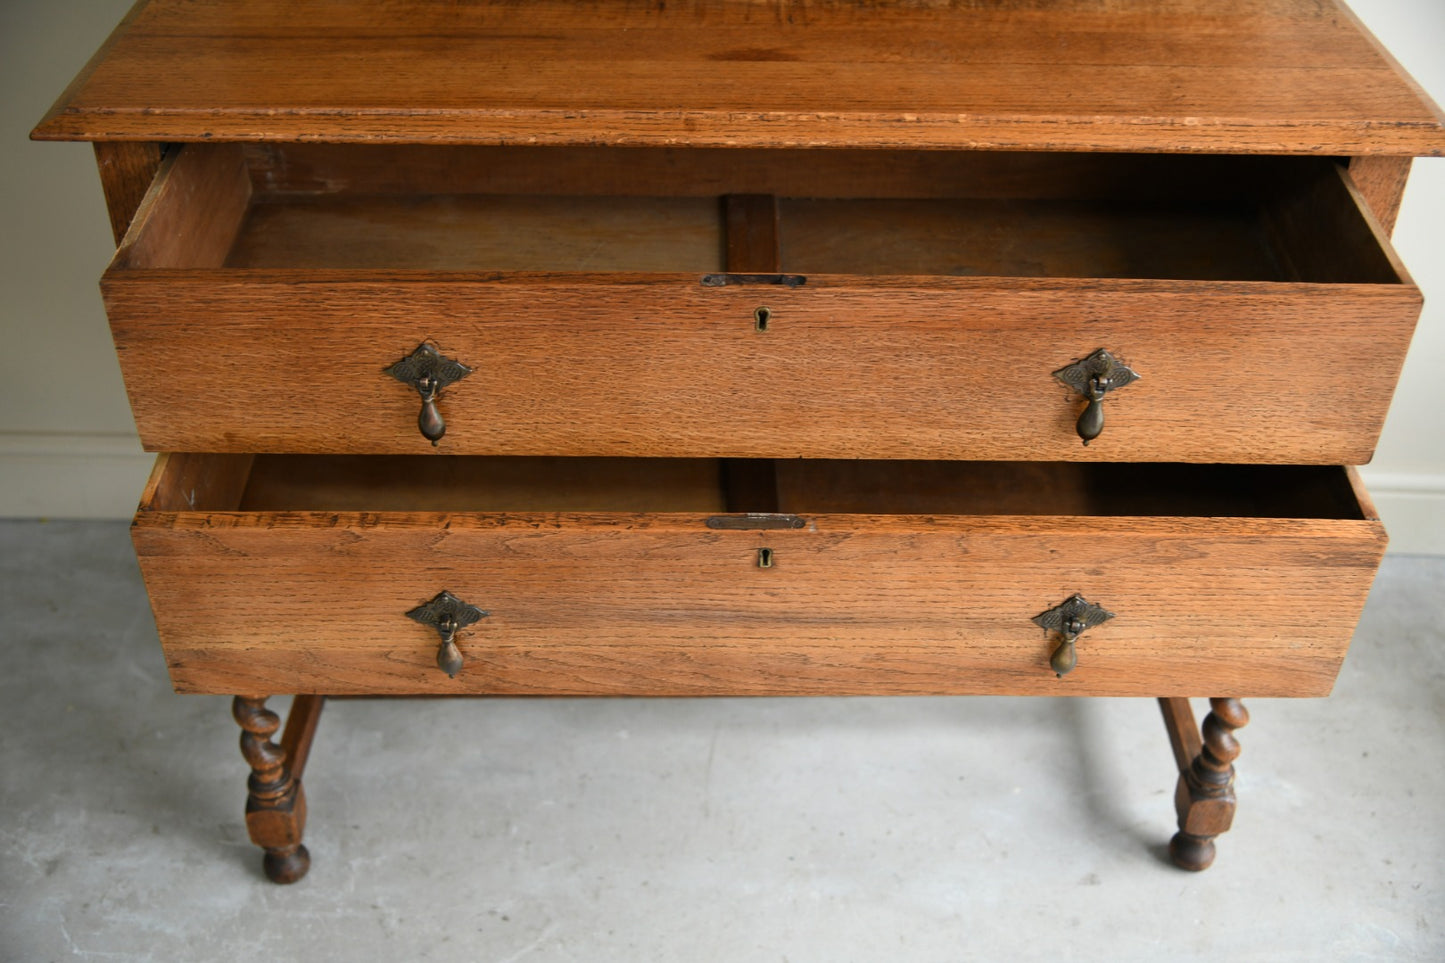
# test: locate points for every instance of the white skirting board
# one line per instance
(1412, 506)
(71, 475)
(100, 476)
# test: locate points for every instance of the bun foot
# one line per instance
(286, 865)
(1194, 853)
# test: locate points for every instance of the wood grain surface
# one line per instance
(1242, 76)
(126, 171)
(321, 169)
(849, 367)
(275, 600)
(190, 215)
(1381, 181)
(493, 232)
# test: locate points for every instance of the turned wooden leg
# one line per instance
(1204, 797)
(276, 803)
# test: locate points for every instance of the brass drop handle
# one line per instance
(429, 371)
(1068, 620)
(1091, 422)
(448, 615)
(1093, 378)
(430, 421)
(1065, 657)
(449, 657)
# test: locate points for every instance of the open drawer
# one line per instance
(688, 577)
(757, 303)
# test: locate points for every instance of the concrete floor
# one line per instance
(728, 829)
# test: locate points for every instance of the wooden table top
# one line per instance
(1245, 76)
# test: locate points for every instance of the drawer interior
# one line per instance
(797, 212)
(343, 483)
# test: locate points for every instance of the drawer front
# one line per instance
(636, 603)
(888, 365)
(963, 369)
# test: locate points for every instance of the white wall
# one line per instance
(67, 443)
(1407, 476)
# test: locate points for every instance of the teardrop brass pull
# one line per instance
(1093, 378)
(430, 421)
(448, 615)
(1069, 620)
(449, 657)
(429, 371)
(1091, 422)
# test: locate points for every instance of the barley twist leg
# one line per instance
(1204, 798)
(275, 803)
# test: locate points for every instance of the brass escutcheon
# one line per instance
(428, 371)
(1069, 620)
(1093, 378)
(448, 615)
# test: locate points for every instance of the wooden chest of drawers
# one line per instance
(748, 348)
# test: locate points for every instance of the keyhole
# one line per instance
(765, 558)
(761, 317)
